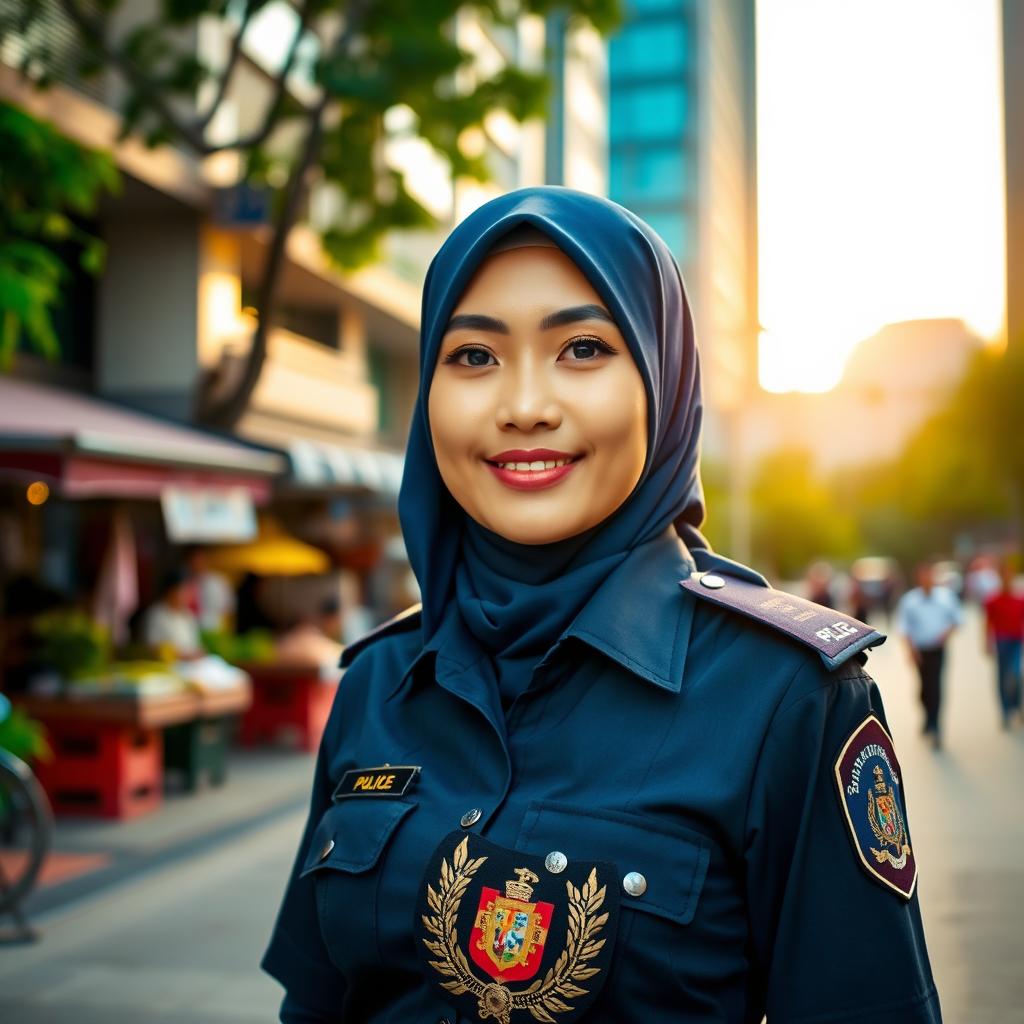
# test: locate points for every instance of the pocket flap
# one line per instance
(673, 860)
(351, 834)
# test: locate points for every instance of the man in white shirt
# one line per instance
(927, 615)
(169, 623)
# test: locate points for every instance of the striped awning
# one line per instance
(316, 464)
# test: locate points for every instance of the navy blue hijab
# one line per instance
(516, 600)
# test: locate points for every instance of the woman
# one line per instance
(602, 774)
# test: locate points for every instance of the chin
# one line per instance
(522, 530)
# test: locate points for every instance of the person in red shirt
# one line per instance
(1004, 618)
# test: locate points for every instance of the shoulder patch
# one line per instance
(835, 636)
(409, 619)
(871, 793)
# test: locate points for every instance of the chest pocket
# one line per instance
(343, 857)
(662, 867)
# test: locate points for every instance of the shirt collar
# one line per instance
(451, 650)
(636, 617)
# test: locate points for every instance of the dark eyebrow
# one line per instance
(477, 322)
(574, 314)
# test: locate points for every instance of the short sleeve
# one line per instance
(296, 956)
(836, 936)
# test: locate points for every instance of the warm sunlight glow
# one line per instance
(880, 179)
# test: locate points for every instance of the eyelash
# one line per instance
(602, 347)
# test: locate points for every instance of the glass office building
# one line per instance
(652, 117)
(682, 156)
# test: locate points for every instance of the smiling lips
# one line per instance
(531, 470)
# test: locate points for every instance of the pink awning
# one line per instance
(85, 447)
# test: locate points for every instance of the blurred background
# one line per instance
(215, 219)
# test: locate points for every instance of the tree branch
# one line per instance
(192, 135)
(280, 86)
(92, 30)
(202, 122)
(229, 410)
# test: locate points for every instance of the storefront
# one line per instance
(96, 501)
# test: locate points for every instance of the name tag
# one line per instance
(391, 780)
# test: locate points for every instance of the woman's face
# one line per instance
(538, 412)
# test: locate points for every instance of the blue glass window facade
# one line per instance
(651, 118)
(646, 174)
(651, 48)
(655, 111)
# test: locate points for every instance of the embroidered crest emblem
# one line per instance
(868, 777)
(563, 943)
(510, 931)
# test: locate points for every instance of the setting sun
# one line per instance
(880, 172)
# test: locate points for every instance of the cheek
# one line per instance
(454, 415)
(618, 422)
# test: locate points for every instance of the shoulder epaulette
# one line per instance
(403, 621)
(835, 636)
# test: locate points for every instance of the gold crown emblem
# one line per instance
(880, 785)
(521, 890)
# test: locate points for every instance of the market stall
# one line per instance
(294, 681)
(96, 501)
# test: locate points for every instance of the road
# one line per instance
(179, 944)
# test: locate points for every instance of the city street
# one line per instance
(179, 943)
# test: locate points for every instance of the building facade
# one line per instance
(682, 146)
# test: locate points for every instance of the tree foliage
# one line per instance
(961, 475)
(957, 485)
(355, 60)
(796, 516)
(48, 183)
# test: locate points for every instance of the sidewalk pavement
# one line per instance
(178, 945)
(168, 922)
(966, 813)
(90, 855)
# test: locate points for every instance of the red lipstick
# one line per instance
(557, 466)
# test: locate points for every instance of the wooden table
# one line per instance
(109, 751)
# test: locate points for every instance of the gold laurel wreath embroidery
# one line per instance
(545, 996)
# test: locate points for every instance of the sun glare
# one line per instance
(880, 176)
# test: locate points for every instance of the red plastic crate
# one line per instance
(103, 769)
(289, 703)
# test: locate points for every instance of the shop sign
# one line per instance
(208, 514)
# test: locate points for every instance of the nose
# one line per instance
(527, 400)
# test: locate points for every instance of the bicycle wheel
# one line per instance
(26, 830)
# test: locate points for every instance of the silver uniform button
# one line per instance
(635, 884)
(470, 818)
(556, 862)
(711, 581)
(328, 846)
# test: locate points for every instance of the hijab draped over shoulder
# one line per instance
(515, 599)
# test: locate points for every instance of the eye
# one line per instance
(472, 357)
(581, 350)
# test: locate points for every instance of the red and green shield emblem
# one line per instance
(509, 932)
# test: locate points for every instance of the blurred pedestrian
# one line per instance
(858, 600)
(249, 610)
(169, 623)
(315, 639)
(1004, 629)
(927, 616)
(819, 584)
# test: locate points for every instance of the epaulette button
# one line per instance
(711, 581)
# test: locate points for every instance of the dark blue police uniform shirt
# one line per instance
(664, 734)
